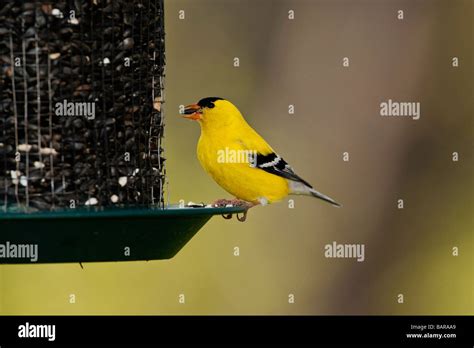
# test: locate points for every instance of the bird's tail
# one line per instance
(319, 195)
(299, 188)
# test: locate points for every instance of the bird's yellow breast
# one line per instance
(226, 160)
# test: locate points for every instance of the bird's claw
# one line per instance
(240, 218)
(243, 217)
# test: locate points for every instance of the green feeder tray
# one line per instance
(102, 234)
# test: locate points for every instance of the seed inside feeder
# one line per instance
(74, 21)
(54, 56)
(48, 151)
(157, 104)
(122, 181)
(91, 201)
(57, 13)
(24, 147)
(80, 59)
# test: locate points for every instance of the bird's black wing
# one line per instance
(274, 164)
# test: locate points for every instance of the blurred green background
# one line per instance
(299, 62)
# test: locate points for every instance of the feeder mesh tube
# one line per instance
(81, 95)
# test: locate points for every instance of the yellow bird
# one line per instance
(240, 160)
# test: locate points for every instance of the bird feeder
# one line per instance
(82, 170)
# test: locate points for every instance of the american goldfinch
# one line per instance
(240, 160)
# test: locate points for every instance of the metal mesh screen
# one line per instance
(81, 94)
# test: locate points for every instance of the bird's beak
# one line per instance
(192, 112)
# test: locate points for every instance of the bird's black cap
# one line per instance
(208, 102)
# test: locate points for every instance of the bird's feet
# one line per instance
(234, 203)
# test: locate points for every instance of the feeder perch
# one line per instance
(82, 171)
(113, 234)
